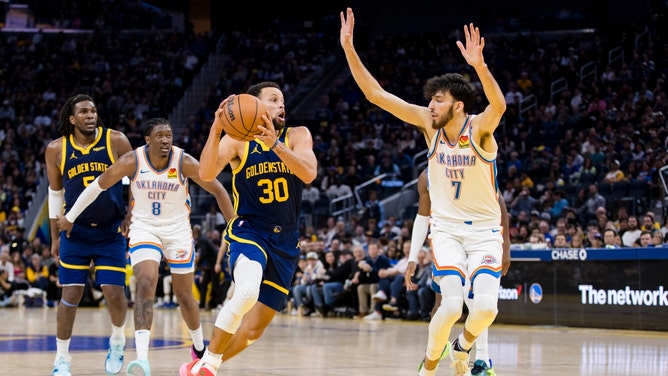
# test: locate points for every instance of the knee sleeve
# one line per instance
(483, 309)
(246, 292)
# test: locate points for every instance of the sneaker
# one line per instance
(480, 368)
(138, 368)
(379, 296)
(390, 307)
(114, 362)
(460, 360)
(197, 354)
(186, 370)
(373, 316)
(444, 353)
(61, 367)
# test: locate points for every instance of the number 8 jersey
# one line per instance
(159, 197)
(264, 188)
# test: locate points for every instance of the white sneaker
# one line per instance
(61, 367)
(373, 316)
(380, 295)
(460, 361)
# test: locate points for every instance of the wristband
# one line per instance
(274, 145)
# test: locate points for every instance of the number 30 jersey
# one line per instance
(159, 197)
(264, 188)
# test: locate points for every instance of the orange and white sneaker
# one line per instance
(187, 370)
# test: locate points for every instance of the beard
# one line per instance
(278, 123)
(442, 121)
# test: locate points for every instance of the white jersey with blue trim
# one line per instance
(159, 197)
(462, 180)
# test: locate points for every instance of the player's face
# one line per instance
(160, 140)
(442, 109)
(84, 118)
(275, 103)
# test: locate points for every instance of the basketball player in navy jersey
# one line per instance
(465, 214)
(73, 161)
(160, 227)
(268, 176)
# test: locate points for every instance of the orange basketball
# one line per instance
(241, 116)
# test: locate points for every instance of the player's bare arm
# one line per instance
(190, 168)
(217, 152)
(487, 121)
(299, 157)
(419, 116)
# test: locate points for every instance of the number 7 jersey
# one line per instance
(462, 180)
(159, 197)
(264, 188)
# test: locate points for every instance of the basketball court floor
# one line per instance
(316, 346)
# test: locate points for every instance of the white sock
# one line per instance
(142, 339)
(463, 343)
(63, 349)
(198, 338)
(117, 334)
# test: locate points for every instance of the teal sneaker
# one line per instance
(445, 353)
(114, 362)
(138, 368)
(480, 368)
(61, 367)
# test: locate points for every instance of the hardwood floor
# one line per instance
(333, 346)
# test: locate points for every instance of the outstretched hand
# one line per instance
(347, 26)
(472, 52)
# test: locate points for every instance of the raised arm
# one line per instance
(419, 116)
(217, 152)
(487, 121)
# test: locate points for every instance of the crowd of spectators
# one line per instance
(564, 165)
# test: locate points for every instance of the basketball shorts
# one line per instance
(103, 247)
(276, 248)
(173, 241)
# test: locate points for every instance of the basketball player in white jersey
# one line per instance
(159, 226)
(465, 214)
(482, 366)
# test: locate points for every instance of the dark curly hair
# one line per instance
(459, 87)
(64, 126)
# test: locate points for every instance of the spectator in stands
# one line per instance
(366, 276)
(334, 281)
(301, 292)
(594, 201)
(633, 232)
(338, 189)
(648, 223)
(610, 238)
(645, 240)
(560, 241)
(523, 202)
(37, 274)
(213, 220)
(615, 174)
(310, 195)
(657, 238)
(373, 208)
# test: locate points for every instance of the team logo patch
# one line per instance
(464, 142)
(171, 174)
(488, 260)
(180, 254)
(99, 148)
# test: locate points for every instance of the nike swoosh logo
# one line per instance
(143, 171)
(495, 230)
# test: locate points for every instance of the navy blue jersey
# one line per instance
(264, 188)
(79, 167)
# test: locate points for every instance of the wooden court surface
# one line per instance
(314, 346)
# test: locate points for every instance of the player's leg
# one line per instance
(178, 247)
(449, 253)
(145, 258)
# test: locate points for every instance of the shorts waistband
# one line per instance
(266, 226)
